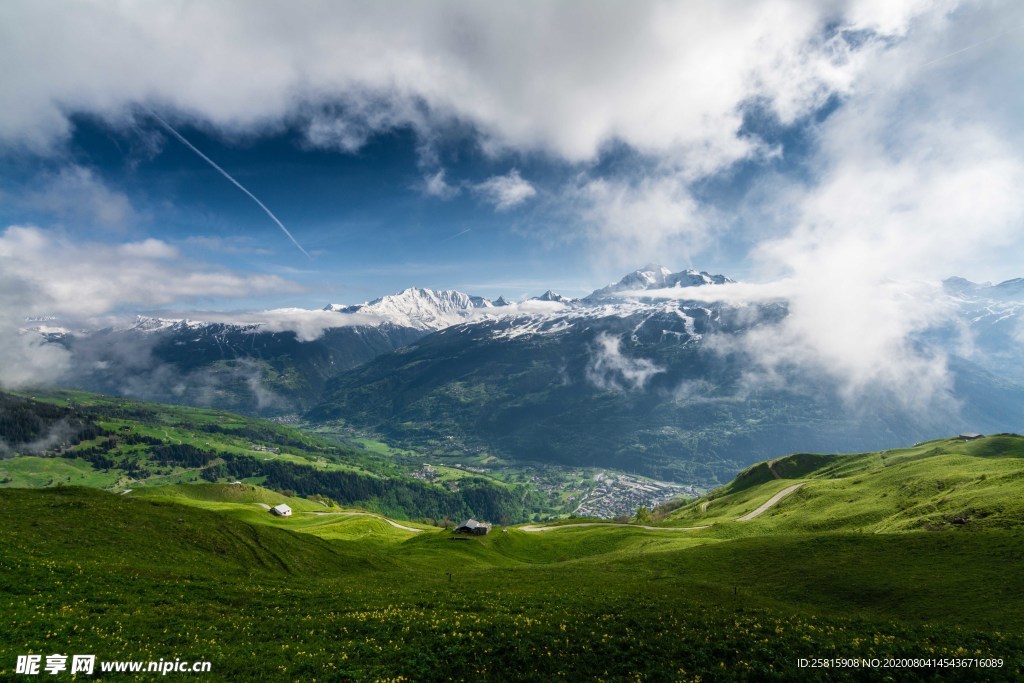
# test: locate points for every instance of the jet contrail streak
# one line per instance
(971, 47)
(224, 173)
(456, 235)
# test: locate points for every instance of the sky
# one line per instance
(505, 149)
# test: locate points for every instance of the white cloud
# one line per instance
(911, 181)
(90, 279)
(733, 293)
(77, 194)
(435, 185)
(149, 249)
(44, 273)
(564, 78)
(630, 223)
(610, 370)
(505, 191)
(307, 324)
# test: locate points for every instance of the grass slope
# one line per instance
(280, 600)
(934, 485)
(113, 443)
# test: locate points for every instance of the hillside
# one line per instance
(243, 368)
(74, 438)
(640, 392)
(310, 597)
(969, 484)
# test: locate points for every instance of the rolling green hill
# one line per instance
(951, 482)
(75, 438)
(865, 560)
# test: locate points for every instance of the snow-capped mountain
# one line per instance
(151, 324)
(1010, 290)
(433, 310)
(655, 384)
(993, 316)
(655, 277)
(553, 296)
(619, 377)
(421, 309)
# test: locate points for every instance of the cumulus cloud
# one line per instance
(307, 324)
(914, 178)
(914, 183)
(42, 272)
(655, 75)
(670, 81)
(68, 277)
(435, 185)
(505, 191)
(610, 370)
(638, 222)
(76, 193)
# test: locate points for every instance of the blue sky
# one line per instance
(500, 150)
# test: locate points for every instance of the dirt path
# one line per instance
(533, 527)
(368, 514)
(770, 502)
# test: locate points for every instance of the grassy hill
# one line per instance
(864, 560)
(934, 485)
(80, 439)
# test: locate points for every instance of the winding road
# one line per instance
(770, 502)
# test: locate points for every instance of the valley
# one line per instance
(130, 444)
(649, 376)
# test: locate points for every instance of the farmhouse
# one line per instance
(970, 436)
(471, 526)
(281, 510)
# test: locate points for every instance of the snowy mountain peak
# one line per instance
(419, 308)
(656, 277)
(150, 324)
(551, 296)
(1009, 290)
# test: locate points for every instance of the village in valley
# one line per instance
(579, 492)
(600, 493)
(617, 494)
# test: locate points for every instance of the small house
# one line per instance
(471, 526)
(281, 510)
(970, 436)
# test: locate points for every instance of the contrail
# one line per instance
(456, 235)
(971, 47)
(226, 175)
(963, 49)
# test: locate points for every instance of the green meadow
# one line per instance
(145, 540)
(905, 554)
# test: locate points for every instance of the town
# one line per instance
(618, 495)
